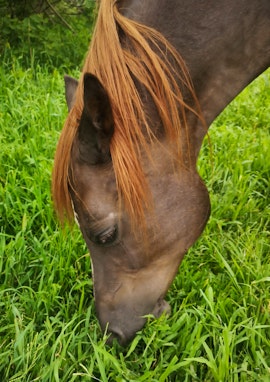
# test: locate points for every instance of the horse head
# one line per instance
(133, 267)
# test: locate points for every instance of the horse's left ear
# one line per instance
(70, 89)
(96, 125)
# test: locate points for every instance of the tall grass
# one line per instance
(219, 329)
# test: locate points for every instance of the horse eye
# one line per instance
(106, 237)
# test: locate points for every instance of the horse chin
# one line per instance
(161, 307)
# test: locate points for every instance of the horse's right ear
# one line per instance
(70, 89)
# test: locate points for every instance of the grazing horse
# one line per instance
(156, 75)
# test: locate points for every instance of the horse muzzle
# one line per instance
(123, 323)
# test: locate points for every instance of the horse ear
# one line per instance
(70, 89)
(96, 124)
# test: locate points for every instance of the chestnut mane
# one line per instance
(122, 50)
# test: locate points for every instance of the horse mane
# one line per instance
(122, 52)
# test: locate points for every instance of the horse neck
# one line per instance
(226, 44)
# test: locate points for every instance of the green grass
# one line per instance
(219, 329)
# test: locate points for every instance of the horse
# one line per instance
(155, 77)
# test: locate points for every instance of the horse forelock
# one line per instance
(143, 56)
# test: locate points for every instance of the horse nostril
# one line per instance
(118, 335)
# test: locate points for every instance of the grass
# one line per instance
(219, 329)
